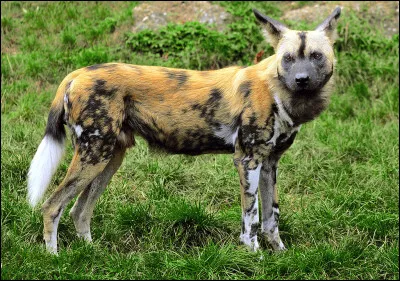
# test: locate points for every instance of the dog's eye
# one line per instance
(316, 55)
(288, 58)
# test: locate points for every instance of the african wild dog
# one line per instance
(253, 112)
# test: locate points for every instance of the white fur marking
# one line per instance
(71, 85)
(277, 130)
(282, 113)
(86, 236)
(235, 135)
(51, 245)
(271, 224)
(250, 218)
(78, 130)
(254, 177)
(43, 167)
(247, 158)
(245, 238)
(96, 133)
(280, 127)
(227, 133)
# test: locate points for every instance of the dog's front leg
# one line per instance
(269, 203)
(249, 174)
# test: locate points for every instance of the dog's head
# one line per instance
(305, 58)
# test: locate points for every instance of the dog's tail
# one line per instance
(49, 152)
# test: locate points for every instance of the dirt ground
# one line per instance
(383, 14)
(154, 14)
(148, 14)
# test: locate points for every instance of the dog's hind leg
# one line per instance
(85, 166)
(82, 210)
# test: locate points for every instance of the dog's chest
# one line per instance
(282, 130)
(281, 133)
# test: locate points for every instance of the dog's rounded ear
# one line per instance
(329, 25)
(273, 29)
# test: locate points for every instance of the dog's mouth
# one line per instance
(299, 90)
(309, 89)
(305, 92)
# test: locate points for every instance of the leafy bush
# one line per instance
(195, 46)
(191, 43)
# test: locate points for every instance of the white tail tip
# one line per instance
(43, 167)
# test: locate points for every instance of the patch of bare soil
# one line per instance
(383, 14)
(153, 15)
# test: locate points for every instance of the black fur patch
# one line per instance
(276, 216)
(253, 203)
(254, 228)
(302, 36)
(306, 107)
(215, 96)
(100, 66)
(245, 88)
(96, 148)
(99, 88)
(69, 104)
(282, 146)
(55, 125)
(272, 24)
(206, 144)
(53, 217)
(251, 136)
(207, 110)
(281, 137)
(275, 108)
(180, 76)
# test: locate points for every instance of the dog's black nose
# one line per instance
(302, 79)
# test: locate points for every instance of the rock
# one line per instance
(153, 15)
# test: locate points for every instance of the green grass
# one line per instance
(178, 217)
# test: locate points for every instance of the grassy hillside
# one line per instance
(178, 217)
